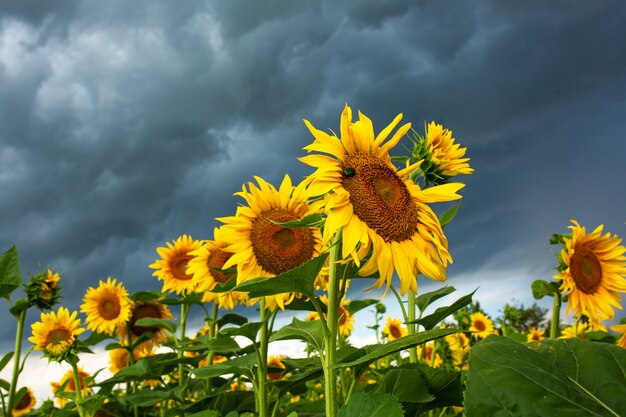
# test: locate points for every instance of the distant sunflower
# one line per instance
(172, 267)
(56, 333)
(446, 156)
(346, 320)
(459, 345)
(394, 329)
(118, 358)
(376, 205)
(149, 309)
(620, 328)
(481, 325)
(107, 307)
(580, 328)
(67, 384)
(26, 404)
(275, 362)
(595, 271)
(535, 334)
(262, 248)
(427, 354)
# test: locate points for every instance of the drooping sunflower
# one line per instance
(56, 333)
(394, 329)
(148, 309)
(67, 384)
(481, 325)
(620, 328)
(43, 289)
(26, 404)
(262, 248)
(595, 271)
(535, 335)
(376, 205)
(107, 307)
(206, 269)
(172, 267)
(446, 156)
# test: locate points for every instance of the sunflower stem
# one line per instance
(556, 310)
(131, 386)
(411, 326)
(262, 362)
(330, 373)
(16, 359)
(184, 309)
(212, 325)
(79, 391)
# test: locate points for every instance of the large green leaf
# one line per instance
(358, 305)
(443, 385)
(10, 275)
(241, 365)
(543, 288)
(300, 280)
(426, 299)
(146, 398)
(308, 331)
(5, 359)
(155, 322)
(310, 220)
(568, 378)
(407, 385)
(248, 330)
(430, 321)
(371, 404)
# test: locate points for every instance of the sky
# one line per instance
(124, 126)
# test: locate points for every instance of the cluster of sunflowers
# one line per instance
(296, 247)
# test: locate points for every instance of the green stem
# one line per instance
(262, 362)
(184, 309)
(411, 326)
(131, 386)
(400, 301)
(330, 373)
(211, 336)
(79, 391)
(556, 310)
(16, 359)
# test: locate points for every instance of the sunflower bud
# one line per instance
(43, 290)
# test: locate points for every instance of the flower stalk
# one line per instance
(262, 405)
(411, 326)
(330, 373)
(556, 310)
(79, 391)
(16, 359)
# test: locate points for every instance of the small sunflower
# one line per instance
(594, 274)
(377, 206)
(43, 290)
(346, 320)
(620, 328)
(535, 334)
(427, 354)
(118, 358)
(56, 333)
(149, 309)
(580, 328)
(107, 307)
(67, 384)
(459, 345)
(394, 329)
(262, 248)
(275, 362)
(26, 404)
(172, 267)
(481, 325)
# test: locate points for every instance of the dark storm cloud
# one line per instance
(123, 126)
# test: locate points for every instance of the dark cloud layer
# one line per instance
(122, 127)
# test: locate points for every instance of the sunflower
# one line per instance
(394, 329)
(594, 273)
(534, 335)
(376, 205)
(43, 289)
(580, 328)
(56, 333)
(620, 328)
(206, 269)
(118, 358)
(481, 325)
(427, 354)
(459, 345)
(172, 267)
(346, 321)
(262, 248)
(275, 362)
(107, 307)
(446, 156)
(148, 309)
(67, 384)
(26, 404)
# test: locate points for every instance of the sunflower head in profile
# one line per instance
(594, 271)
(142, 310)
(379, 209)
(67, 384)
(171, 268)
(394, 329)
(43, 290)
(25, 405)
(481, 325)
(55, 335)
(107, 307)
(262, 248)
(620, 328)
(535, 335)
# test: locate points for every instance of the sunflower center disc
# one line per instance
(276, 248)
(480, 326)
(57, 336)
(141, 312)
(379, 197)
(395, 332)
(180, 268)
(110, 309)
(24, 402)
(216, 261)
(586, 270)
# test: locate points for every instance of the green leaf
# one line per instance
(449, 215)
(248, 330)
(5, 359)
(10, 275)
(206, 413)
(543, 288)
(155, 322)
(223, 344)
(146, 296)
(300, 280)
(311, 220)
(358, 305)
(309, 331)
(303, 304)
(19, 307)
(231, 318)
(445, 386)
(370, 353)
(241, 365)
(371, 404)
(426, 299)
(146, 398)
(93, 339)
(407, 385)
(430, 321)
(576, 377)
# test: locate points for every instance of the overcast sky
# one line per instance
(124, 125)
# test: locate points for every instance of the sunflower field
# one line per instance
(362, 214)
